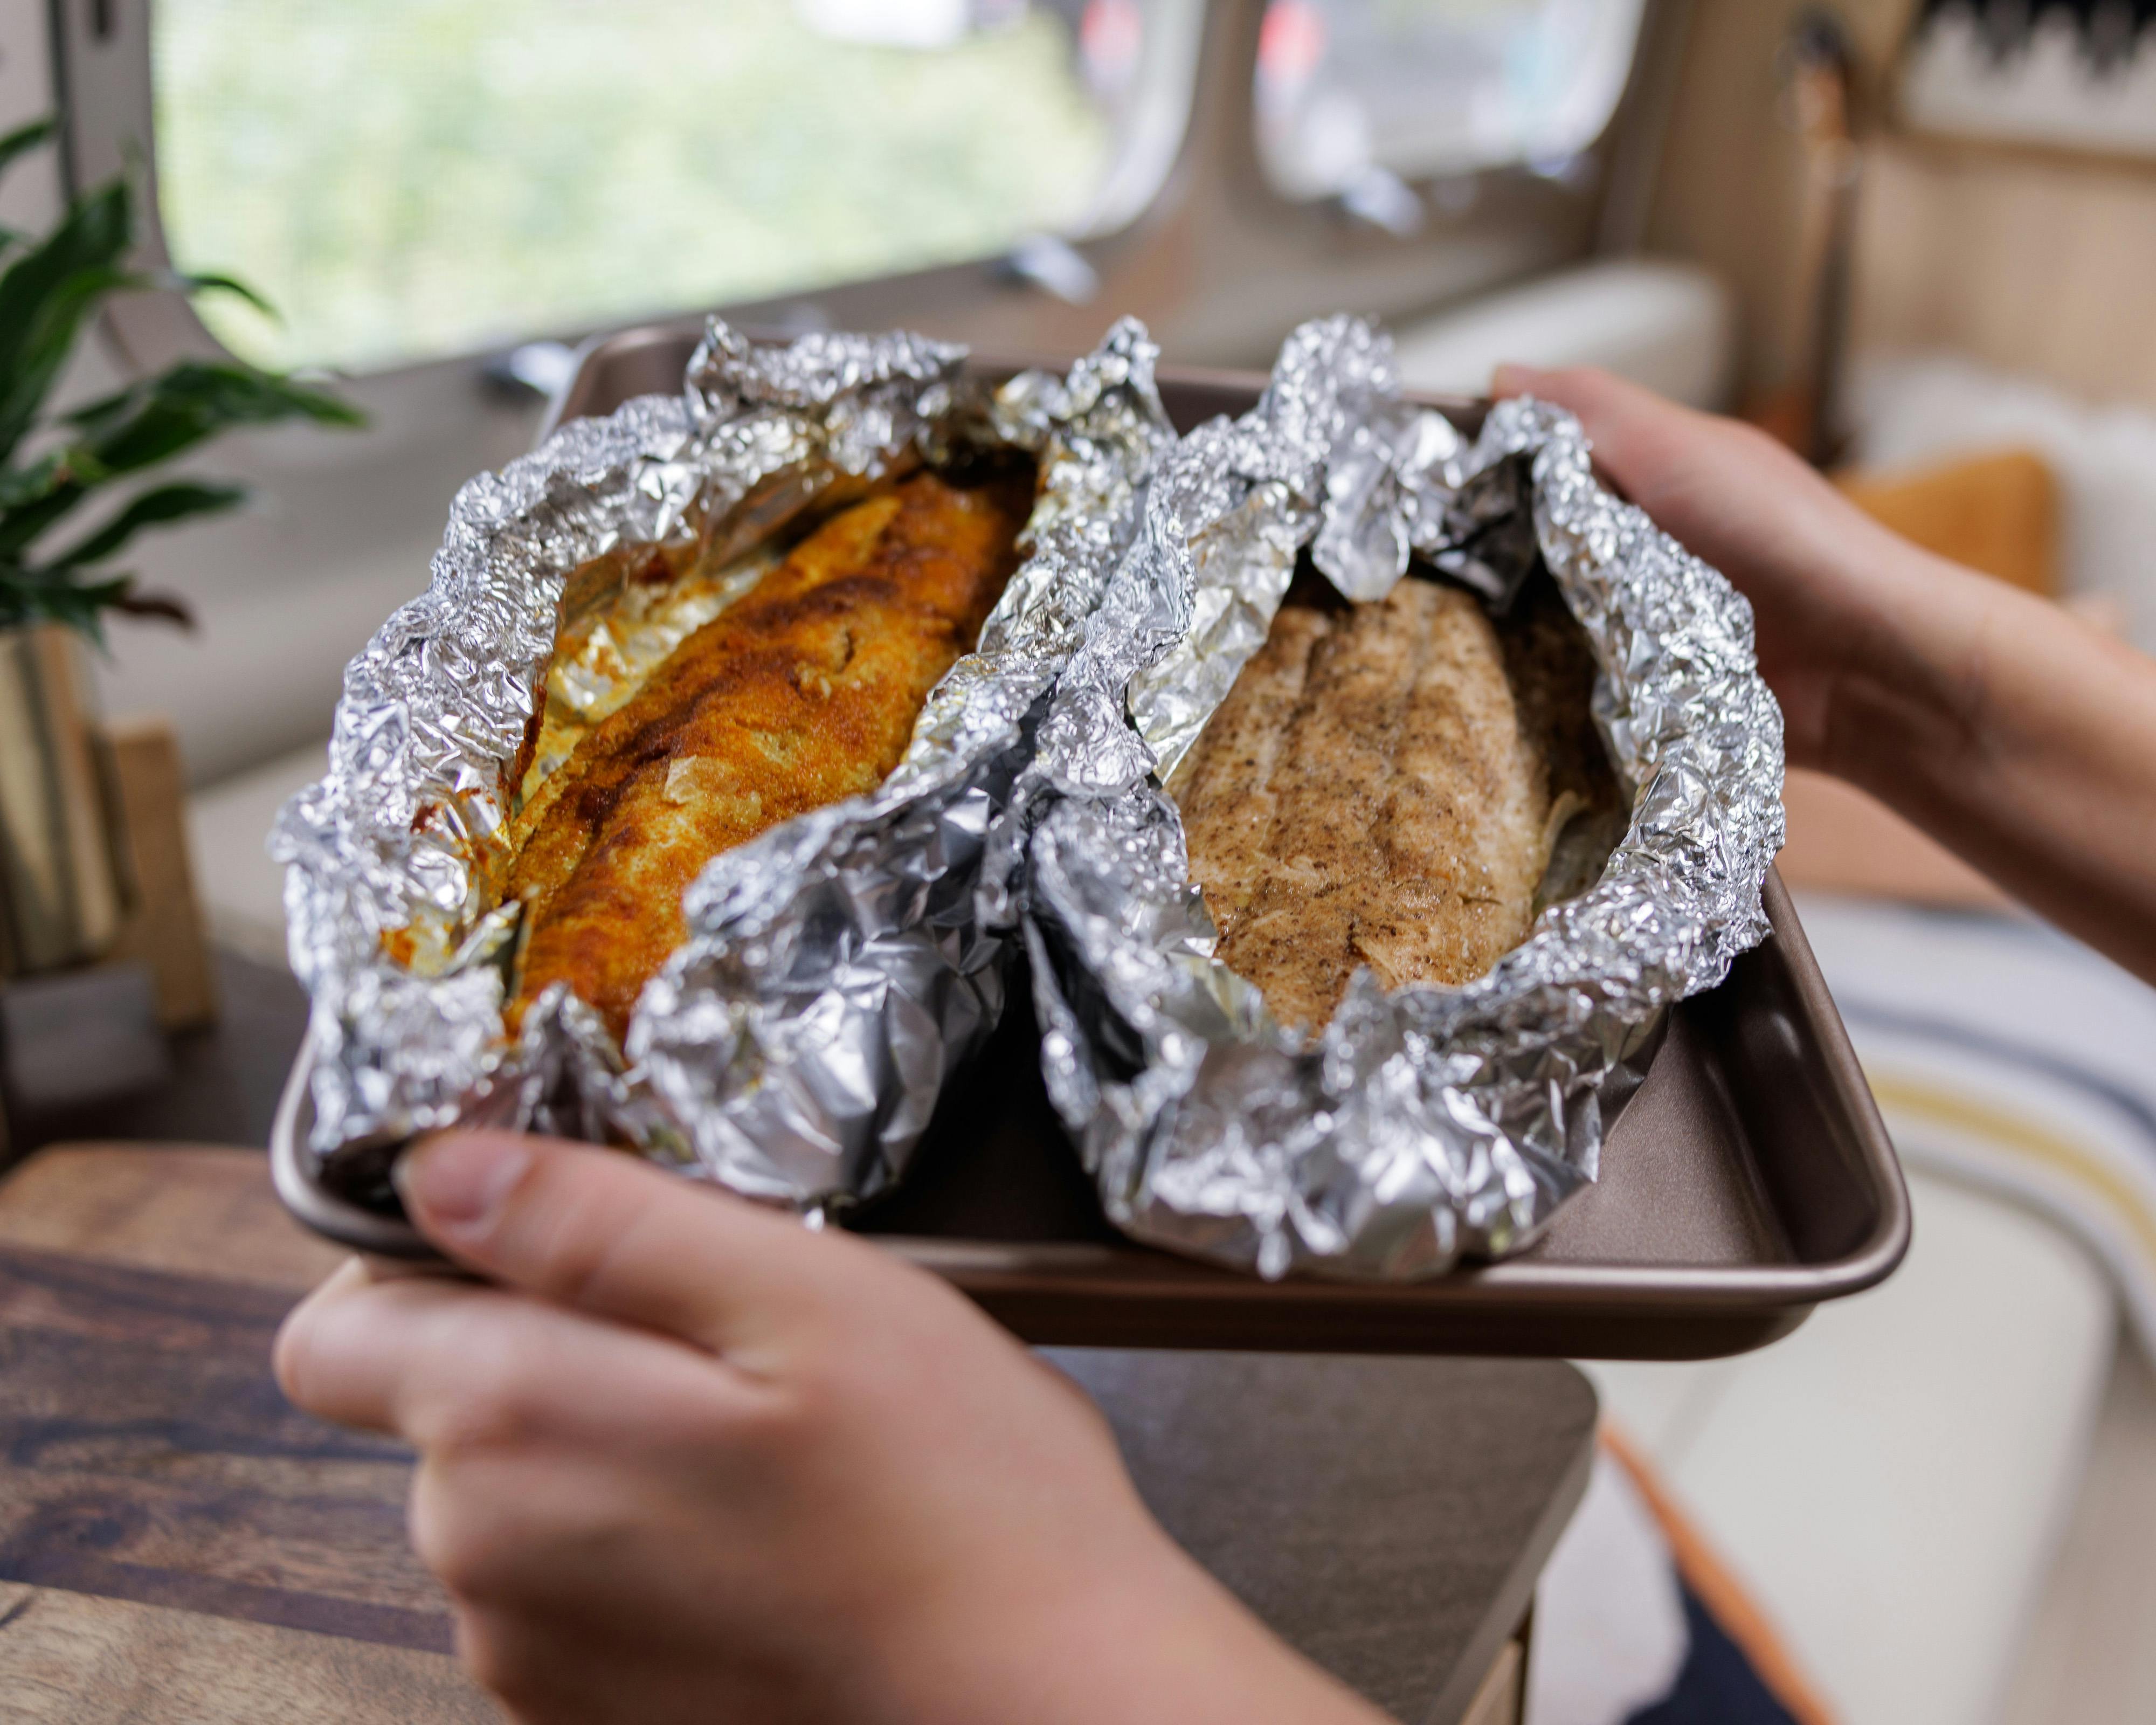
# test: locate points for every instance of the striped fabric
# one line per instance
(2006, 1055)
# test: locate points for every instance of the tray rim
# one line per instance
(1131, 1272)
(1754, 1303)
(995, 364)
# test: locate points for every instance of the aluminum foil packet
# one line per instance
(836, 969)
(1430, 1123)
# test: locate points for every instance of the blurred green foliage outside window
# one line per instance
(406, 179)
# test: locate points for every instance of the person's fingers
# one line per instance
(617, 1237)
(1608, 406)
(546, 1672)
(291, 1355)
(1512, 379)
(339, 1351)
(1582, 389)
(451, 1364)
(550, 1669)
(1611, 410)
(551, 1526)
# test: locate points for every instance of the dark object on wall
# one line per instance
(2077, 75)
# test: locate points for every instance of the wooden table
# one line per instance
(178, 1545)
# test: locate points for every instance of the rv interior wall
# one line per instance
(2029, 261)
(2015, 256)
(30, 194)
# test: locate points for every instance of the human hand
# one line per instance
(1837, 598)
(691, 1461)
(2009, 730)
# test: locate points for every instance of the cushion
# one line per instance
(1888, 1484)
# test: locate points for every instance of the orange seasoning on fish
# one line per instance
(802, 693)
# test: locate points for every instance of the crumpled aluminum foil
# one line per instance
(835, 970)
(1430, 1123)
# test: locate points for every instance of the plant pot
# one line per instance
(60, 893)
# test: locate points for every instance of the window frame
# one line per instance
(1217, 261)
(1428, 180)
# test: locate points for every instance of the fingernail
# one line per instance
(458, 1181)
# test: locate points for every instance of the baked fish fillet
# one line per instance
(802, 693)
(1372, 792)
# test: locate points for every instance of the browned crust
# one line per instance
(803, 693)
(1376, 790)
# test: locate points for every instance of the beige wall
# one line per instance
(2040, 264)
(2036, 264)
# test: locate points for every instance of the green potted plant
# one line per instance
(76, 488)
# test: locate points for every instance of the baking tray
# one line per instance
(1749, 1178)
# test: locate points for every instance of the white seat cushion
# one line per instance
(1891, 1480)
(1669, 325)
(2006, 1055)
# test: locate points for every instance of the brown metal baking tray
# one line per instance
(1749, 1178)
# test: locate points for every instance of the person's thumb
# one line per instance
(1511, 379)
(611, 1235)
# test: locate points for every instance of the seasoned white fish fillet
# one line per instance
(1373, 792)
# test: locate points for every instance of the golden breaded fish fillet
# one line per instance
(1372, 792)
(804, 692)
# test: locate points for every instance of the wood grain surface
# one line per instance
(178, 1544)
(68, 1658)
(193, 1209)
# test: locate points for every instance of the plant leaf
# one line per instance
(44, 346)
(150, 423)
(24, 139)
(191, 402)
(19, 486)
(183, 282)
(79, 605)
(168, 607)
(49, 291)
(20, 525)
(148, 509)
(48, 490)
(94, 235)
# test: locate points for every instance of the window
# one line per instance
(1425, 88)
(406, 179)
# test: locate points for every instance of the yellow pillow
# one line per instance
(1998, 513)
